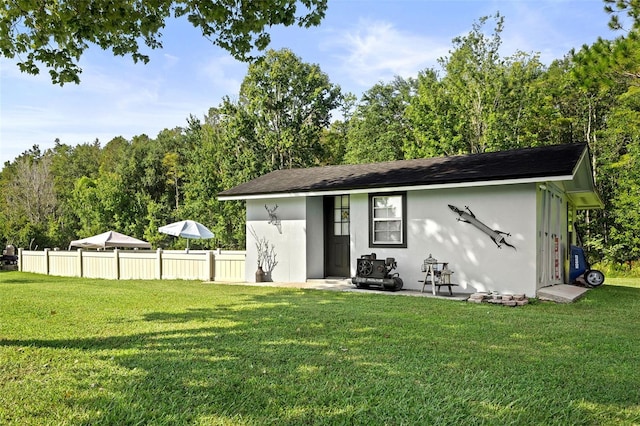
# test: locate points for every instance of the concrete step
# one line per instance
(337, 283)
(562, 293)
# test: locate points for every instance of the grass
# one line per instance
(624, 270)
(79, 351)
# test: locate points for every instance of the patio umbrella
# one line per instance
(189, 229)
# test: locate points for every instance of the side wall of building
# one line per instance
(315, 237)
(294, 233)
(434, 229)
(283, 233)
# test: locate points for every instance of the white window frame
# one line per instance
(401, 217)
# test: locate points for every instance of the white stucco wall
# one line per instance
(315, 237)
(288, 237)
(433, 229)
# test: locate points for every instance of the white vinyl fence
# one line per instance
(205, 265)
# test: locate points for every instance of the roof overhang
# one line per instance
(394, 189)
(585, 200)
(576, 181)
(581, 188)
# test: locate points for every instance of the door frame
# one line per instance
(553, 234)
(330, 239)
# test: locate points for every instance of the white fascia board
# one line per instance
(579, 162)
(394, 188)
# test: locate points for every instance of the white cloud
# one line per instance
(374, 51)
(224, 73)
(170, 60)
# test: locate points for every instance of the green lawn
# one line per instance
(78, 351)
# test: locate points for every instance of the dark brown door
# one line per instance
(337, 230)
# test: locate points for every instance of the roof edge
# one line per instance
(407, 188)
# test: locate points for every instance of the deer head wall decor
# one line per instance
(273, 218)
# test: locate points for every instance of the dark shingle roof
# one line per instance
(547, 161)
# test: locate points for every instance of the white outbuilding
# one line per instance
(317, 222)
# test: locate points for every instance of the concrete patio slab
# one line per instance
(562, 293)
(344, 284)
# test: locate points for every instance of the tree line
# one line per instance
(288, 114)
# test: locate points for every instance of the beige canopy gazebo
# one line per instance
(110, 239)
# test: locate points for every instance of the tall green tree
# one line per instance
(56, 34)
(86, 200)
(475, 79)
(151, 191)
(601, 82)
(291, 103)
(517, 121)
(114, 153)
(218, 157)
(484, 102)
(174, 174)
(334, 139)
(134, 188)
(435, 120)
(70, 163)
(615, 231)
(558, 110)
(616, 8)
(379, 128)
(278, 120)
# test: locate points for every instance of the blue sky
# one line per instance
(359, 43)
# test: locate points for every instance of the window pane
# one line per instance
(345, 228)
(379, 226)
(378, 202)
(380, 213)
(386, 236)
(337, 216)
(380, 236)
(337, 229)
(395, 205)
(345, 201)
(387, 207)
(337, 201)
(391, 211)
